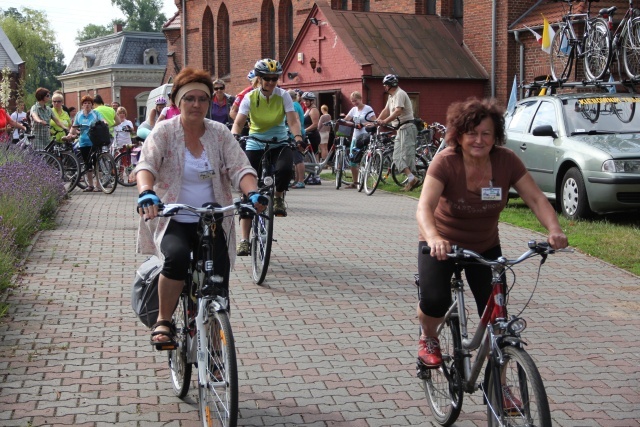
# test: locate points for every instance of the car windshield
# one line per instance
(602, 114)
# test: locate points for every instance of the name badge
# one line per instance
(492, 194)
(206, 174)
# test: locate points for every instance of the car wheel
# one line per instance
(573, 196)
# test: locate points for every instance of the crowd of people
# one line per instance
(194, 136)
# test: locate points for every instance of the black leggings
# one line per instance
(177, 243)
(435, 281)
(281, 157)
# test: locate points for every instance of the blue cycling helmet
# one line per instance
(251, 75)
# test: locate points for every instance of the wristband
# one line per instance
(145, 192)
(251, 193)
(297, 135)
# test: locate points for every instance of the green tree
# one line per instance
(31, 34)
(93, 31)
(142, 15)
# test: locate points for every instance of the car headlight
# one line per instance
(621, 166)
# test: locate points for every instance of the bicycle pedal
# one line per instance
(166, 346)
(281, 215)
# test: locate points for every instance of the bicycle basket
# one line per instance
(344, 129)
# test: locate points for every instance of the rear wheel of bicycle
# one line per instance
(443, 386)
(597, 48)
(526, 401)
(124, 167)
(105, 171)
(261, 241)
(562, 51)
(624, 110)
(339, 162)
(631, 49)
(72, 169)
(387, 162)
(180, 369)
(373, 172)
(421, 170)
(219, 395)
(51, 161)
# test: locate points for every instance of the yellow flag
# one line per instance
(547, 36)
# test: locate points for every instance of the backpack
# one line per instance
(99, 134)
(144, 291)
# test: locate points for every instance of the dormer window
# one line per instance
(150, 57)
(88, 60)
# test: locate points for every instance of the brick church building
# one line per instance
(441, 51)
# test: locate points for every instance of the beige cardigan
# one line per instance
(163, 155)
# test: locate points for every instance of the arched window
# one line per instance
(285, 25)
(207, 42)
(360, 5)
(268, 30)
(224, 49)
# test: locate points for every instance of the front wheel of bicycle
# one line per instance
(124, 167)
(515, 392)
(261, 241)
(443, 386)
(372, 173)
(219, 395)
(106, 173)
(561, 56)
(51, 161)
(178, 365)
(72, 169)
(631, 49)
(597, 48)
(338, 168)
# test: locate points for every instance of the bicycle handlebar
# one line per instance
(535, 248)
(171, 209)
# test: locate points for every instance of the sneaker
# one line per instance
(298, 184)
(244, 247)
(411, 184)
(510, 403)
(279, 209)
(429, 352)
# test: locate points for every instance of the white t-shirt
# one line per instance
(18, 117)
(197, 185)
(123, 137)
(357, 116)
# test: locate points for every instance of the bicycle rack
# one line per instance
(552, 85)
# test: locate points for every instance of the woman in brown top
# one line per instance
(464, 192)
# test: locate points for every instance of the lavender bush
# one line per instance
(30, 192)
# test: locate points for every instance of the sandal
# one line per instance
(88, 190)
(352, 185)
(170, 344)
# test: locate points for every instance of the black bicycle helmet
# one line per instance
(390, 80)
(267, 66)
(309, 95)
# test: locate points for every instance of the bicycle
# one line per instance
(626, 40)
(373, 161)
(594, 47)
(343, 131)
(203, 331)
(70, 163)
(49, 159)
(261, 235)
(104, 169)
(125, 162)
(513, 389)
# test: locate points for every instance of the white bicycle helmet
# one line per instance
(267, 66)
(390, 80)
(309, 95)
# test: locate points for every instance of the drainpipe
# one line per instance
(184, 34)
(516, 34)
(493, 48)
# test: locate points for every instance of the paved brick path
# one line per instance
(330, 341)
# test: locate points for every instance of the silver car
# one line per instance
(583, 150)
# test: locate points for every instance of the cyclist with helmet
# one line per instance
(267, 107)
(161, 102)
(253, 80)
(311, 119)
(400, 110)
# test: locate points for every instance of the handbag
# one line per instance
(144, 291)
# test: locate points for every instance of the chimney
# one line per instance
(117, 28)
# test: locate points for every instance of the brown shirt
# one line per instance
(462, 217)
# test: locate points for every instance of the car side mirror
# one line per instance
(544, 130)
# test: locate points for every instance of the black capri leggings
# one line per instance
(435, 281)
(178, 242)
(281, 157)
